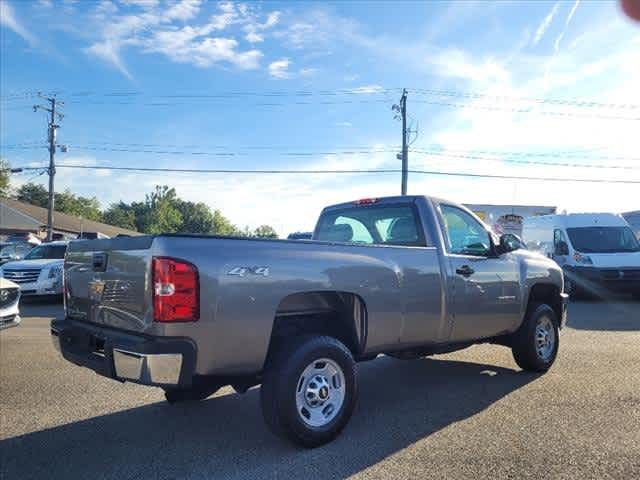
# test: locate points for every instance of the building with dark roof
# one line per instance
(19, 217)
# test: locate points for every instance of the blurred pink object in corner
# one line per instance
(631, 8)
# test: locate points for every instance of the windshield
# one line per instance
(47, 252)
(603, 239)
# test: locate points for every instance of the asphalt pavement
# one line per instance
(471, 414)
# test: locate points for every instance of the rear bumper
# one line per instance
(158, 361)
(592, 279)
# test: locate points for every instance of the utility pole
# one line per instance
(52, 151)
(401, 113)
(405, 152)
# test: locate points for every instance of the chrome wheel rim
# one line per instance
(320, 392)
(545, 338)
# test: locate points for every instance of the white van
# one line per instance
(597, 251)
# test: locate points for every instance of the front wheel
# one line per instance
(535, 344)
(309, 390)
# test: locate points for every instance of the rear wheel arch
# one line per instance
(338, 314)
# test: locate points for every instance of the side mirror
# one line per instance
(562, 248)
(510, 242)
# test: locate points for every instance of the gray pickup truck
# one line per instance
(402, 276)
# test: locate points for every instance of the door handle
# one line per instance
(99, 262)
(465, 270)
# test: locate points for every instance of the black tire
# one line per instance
(525, 341)
(281, 382)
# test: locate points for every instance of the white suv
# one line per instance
(40, 272)
(9, 299)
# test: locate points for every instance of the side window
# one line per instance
(464, 234)
(559, 243)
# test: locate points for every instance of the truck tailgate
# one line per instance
(108, 282)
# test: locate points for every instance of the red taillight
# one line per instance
(366, 201)
(176, 290)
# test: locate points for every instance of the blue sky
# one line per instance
(266, 81)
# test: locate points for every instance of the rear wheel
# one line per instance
(309, 390)
(535, 344)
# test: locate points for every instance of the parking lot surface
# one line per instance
(471, 414)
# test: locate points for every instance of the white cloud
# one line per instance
(280, 68)
(559, 38)
(183, 10)
(109, 52)
(8, 19)
(544, 25)
(272, 19)
(253, 37)
(459, 64)
(367, 89)
(308, 72)
(141, 3)
(344, 124)
(174, 32)
(255, 31)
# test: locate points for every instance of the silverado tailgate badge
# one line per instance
(244, 271)
(96, 287)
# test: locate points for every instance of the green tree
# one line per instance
(120, 215)
(5, 172)
(223, 226)
(33, 193)
(161, 214)
(78, 206)
(196, 217)
(265, 231)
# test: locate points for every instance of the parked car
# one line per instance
(405, 276)
(633, 219)
(40, 272)
(29, 238)
(9, 299)
(300, 236)
(13, 251)
(597, 251)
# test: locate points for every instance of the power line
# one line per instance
(527, 110)
(234, 154)
(359, 91)
(445, 154)
(489, 108)
(552, 101)
(319, 171)
(527, 162)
